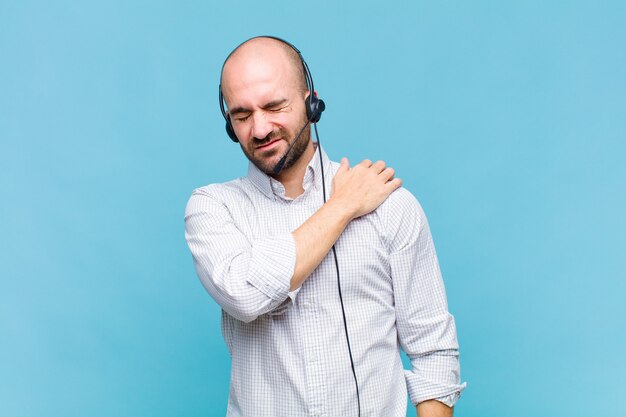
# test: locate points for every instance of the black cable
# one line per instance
(343, 311)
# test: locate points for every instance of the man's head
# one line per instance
(264, 86)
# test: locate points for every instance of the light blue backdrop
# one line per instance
(506, 120)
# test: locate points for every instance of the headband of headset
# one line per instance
(314, 106)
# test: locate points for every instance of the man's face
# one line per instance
(266, 108)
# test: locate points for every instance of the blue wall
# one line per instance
(507, 121)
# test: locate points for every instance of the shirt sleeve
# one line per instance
(426, 330)
(246, 277)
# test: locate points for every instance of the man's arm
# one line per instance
(433, 408)
(249, 278)
(426, 330)
(356, 192)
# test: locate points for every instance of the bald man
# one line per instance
(262, 248)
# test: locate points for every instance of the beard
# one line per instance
(266, 160)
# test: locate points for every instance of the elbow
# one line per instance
(246, 314)
(233, 291)
(248, 310)
(245, 306)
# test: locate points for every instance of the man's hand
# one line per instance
(356, 192)
(364, 187)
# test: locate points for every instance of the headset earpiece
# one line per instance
(314, 108)
(229, 126)
(230, 131)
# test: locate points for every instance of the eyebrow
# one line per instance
(272, 104)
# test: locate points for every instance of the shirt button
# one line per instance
(307, 306)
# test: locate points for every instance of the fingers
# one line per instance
(387, 174)
(394, 184)
(344, 165)
(379, 166)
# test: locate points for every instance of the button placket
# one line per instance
(312, 329)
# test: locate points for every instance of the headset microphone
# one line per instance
(281, 163)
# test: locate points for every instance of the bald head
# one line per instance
(263, 53)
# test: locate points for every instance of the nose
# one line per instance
(261, 127)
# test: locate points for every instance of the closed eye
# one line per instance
(242, 114)
(276, 105)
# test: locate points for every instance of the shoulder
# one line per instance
(220, 189)
(217, 195)
(400, 201)
(402, 205)
(403, 218)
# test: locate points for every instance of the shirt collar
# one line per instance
(312, 176)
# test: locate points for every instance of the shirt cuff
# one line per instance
(272, 265)
(451, 399)
(289, 301)
(420, 389)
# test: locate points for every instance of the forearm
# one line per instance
(315, 237)
(433, 408)
(356, 192)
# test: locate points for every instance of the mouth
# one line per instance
(268, 145)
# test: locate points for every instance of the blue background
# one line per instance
(507, 121)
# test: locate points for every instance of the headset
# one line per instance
(314, 108)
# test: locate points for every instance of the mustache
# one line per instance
(273, 135)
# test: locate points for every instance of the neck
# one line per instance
(293, 177)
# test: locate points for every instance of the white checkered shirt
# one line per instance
(288, 349)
